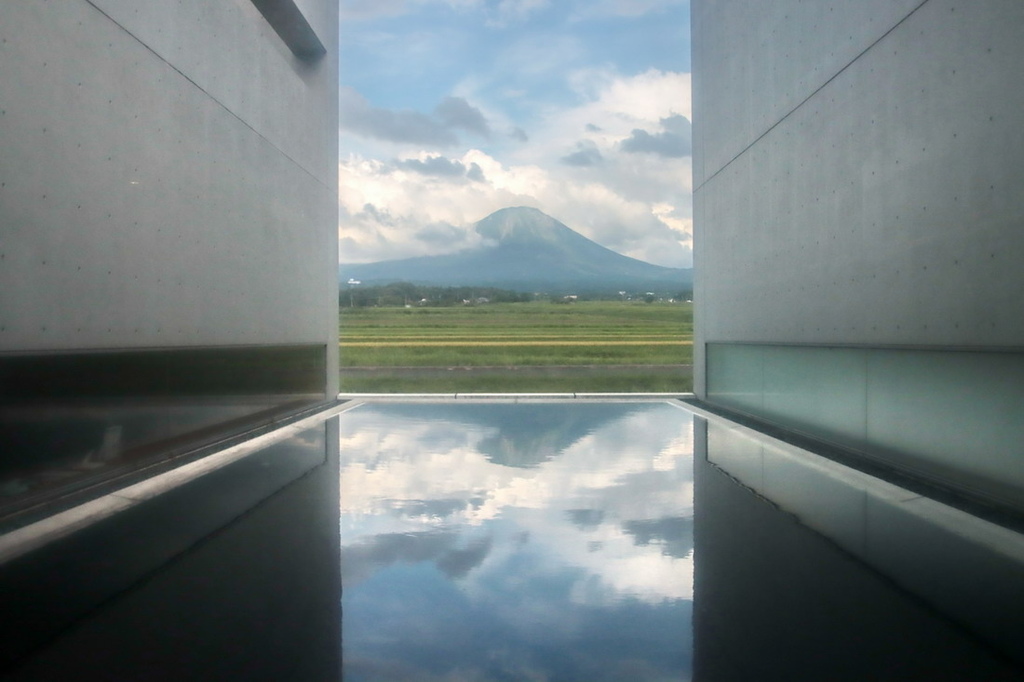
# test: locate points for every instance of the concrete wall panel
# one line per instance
(883, 210)
(790, 49)
(138, 209)
(228, 50)
(910, 410)
(866, 209)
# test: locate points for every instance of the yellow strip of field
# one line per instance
(390, 340)
(498, 337)
(380, 344)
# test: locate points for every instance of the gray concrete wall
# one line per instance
(856, 172)
(168, 177)
(856, 175)
(168, 245)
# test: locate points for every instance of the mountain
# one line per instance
(527, 250)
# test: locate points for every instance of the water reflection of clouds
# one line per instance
(453, 558)
(405, 474)
(553, 542)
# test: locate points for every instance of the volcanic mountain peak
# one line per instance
(522, 225)
(526, 250)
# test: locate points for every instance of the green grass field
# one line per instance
(588, 346)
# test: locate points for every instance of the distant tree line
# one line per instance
(414, 295)
(404, 293)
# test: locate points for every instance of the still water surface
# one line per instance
(517, 542)
(591, 541)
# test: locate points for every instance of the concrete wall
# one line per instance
(856, 178)
(860, 185)
(168, 177)
(168, 288)
(168, 219)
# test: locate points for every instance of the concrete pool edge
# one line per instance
(511, 397)
(964, 566)
(22, 540)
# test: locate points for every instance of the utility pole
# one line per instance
(351, 296)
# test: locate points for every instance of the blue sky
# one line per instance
(453, 109)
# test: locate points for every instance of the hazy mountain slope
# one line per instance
(527, 250)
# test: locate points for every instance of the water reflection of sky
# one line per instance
(517, 541)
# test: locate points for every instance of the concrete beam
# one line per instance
(286, 18)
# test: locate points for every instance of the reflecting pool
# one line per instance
(517, 542)
(636, 541)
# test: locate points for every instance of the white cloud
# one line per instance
(673, 141)
(618, 104)
(635, 201)
(357, 115)
(405, 200)
(456, 112)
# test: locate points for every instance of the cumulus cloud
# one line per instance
(677, 124)
(456, 112)
(615, 104)
(663, 144)
(441, 167)
(413, 225)
(442, 234)
(609, 187)
(475, 173)
(434, 165)
(357, 115)
(636, 204)
(673, 141)
(387, 211)
(586, 154)
(656, 232)
(519, 135)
